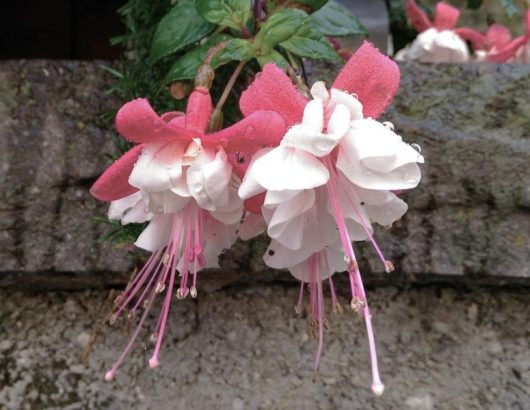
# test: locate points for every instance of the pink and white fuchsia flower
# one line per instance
(184, 181)
(331, 177)
(496, 44)
(437, 41)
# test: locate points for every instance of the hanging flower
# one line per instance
(437, 41)
(184, 181)
(332, 176)
(496, 44)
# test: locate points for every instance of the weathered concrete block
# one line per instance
(468, 218)
(52, 146)
(246, 348)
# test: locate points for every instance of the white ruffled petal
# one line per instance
(217, 174)
(353, 104)
(289, 168)
(166, 202)
(331, 260)
(313, 117)
(252, 225)
(249, 186)
(217, 237)
(156, 168)
(286, 221)
(374, 157)
(319, 90)
(232, 211)
(308, 136)
(196, 180)
(119, 207)
(156, 235)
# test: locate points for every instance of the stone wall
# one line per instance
(451, 322)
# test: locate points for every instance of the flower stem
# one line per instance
(229, 85)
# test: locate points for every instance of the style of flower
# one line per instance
(332, 176)
(184, 181)
(496, 44)
(437, 41)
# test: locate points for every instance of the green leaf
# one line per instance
(273, 57)
(236, 49)
(336, 20)
(510, 8)
(177, 29)
(186, 66)
(314, 4)
(279, 27)
(309, 43)
(230, 13)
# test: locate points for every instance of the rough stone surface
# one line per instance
(52, 146)
(245, 348)
(468, 218)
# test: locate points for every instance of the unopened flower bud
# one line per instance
(204, 77)
(179, 89)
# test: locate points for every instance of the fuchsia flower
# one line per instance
(331, 177)
(184, 181)
(496, 44)
(437, 41)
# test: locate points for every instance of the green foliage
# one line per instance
(229, 13)
(275, 58)
(307, 42)
(337, 21)
(313, 4)
(186, 66)
(118, 234)
(279, 27)
(179, 28)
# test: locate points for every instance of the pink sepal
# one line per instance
(138, 122)
(418, 18)
(114, 183)
(507, 52)
(445, 16)
(259, 129)
(273, 90)
(372, 76)
(198, 110)
(498, 36)
(477, 39)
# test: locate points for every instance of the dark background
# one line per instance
(65, 29)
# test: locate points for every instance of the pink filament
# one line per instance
(355, 276)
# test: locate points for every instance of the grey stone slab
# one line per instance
(468, 219)
(245, 348)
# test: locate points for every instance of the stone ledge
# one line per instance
(468, 219)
